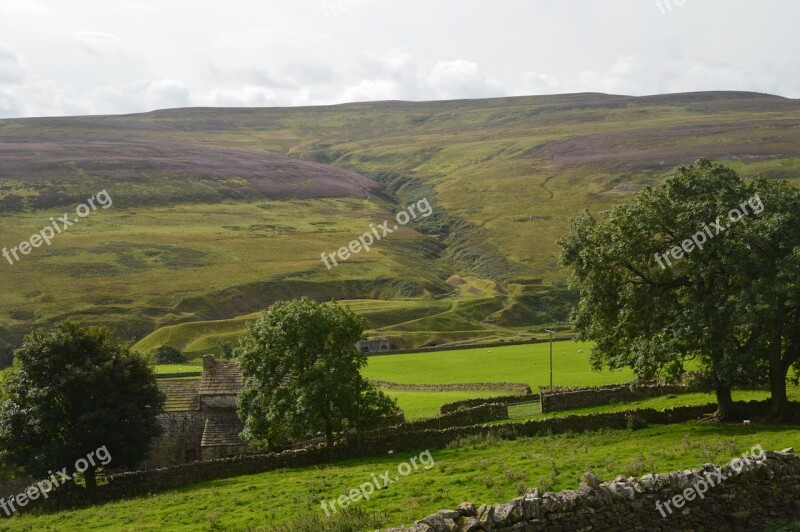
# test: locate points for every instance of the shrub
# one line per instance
(166, 354)
(635, 421)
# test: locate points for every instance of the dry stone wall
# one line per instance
(517, 388)
(145, 482)
(554, 399)
(502, 399)
(749, 491)
(469, 416)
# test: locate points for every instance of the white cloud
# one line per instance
(371, 90)
(23, 7)
(95, 37)
(534, 82)
(140, 7)
(121, 57)
(11, 69)
(461, 79)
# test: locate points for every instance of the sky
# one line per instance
(81, 57)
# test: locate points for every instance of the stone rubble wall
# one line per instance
(141, 483)
(469, 416)
(756, 488)
(517, 388)
(502, 399)
(554, 399)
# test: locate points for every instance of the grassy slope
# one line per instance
(494, 472)
(180, 246)
(463, 317)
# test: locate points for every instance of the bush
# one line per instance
(167, 355)
(635, 421)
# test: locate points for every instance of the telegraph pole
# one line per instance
(551, 355)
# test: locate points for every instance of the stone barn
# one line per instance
(199, 419)
(374, 345)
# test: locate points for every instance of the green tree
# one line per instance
(302, 374)
(73, 390)
(654, 314)
(770, 298)
(166, 354)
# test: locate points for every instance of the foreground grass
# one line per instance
(478, 471)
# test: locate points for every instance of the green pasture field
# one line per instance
(478, 470)
(527, 363)
(418, 405)
(177, 368)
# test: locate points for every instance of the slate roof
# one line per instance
(182, 394)
(220, 377)
(222, 428)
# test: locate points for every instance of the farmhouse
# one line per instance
(199, 419)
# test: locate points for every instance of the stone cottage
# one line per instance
(199, 419)
(374, 345)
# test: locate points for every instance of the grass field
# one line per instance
(477, 471)
(528, 364)
(418, 405)
(177, 368)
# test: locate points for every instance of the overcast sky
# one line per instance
(119, 56)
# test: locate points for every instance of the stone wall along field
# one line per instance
(556, 398)
(152, 481)
(468, 416)
(755, 488)
(518, 388)
(503, 399)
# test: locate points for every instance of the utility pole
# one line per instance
(551, 355)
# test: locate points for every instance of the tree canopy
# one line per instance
(72, 390)
(702, 267)
(302, 374)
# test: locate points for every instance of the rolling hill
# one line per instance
(219, 212)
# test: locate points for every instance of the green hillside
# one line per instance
(219, 212)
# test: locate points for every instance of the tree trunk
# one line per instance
(779, 402)
(725, 409)
(329, 434)
(90, 477)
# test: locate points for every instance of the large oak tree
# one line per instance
(729, 304)
(72, 390)
(302, 374)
